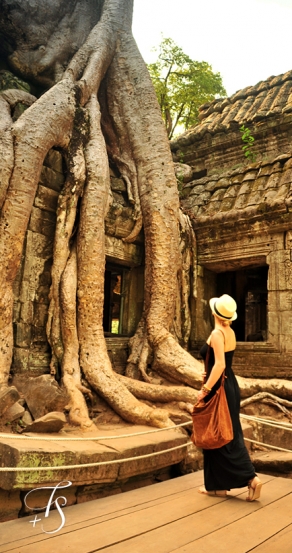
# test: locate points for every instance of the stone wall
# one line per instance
(31, 288)
(236, 248)
(241, 211)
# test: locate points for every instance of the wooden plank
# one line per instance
(282, 542)
(101, 509)
(114, 529)
(251, 530)
(214, 514)
(122, 525)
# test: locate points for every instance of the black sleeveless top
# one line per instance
(230, 383)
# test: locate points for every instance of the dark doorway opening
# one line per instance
(249, 289)
(114, 294)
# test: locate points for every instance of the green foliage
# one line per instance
(182, 85)
(248, 139)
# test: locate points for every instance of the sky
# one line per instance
(245, 41)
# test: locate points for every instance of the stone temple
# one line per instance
(241, 213)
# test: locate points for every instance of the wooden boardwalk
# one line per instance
(169, 517)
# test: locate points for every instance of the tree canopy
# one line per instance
(182, 85)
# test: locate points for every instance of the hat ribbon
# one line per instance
(220, 314)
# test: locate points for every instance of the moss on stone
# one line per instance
(8, 80)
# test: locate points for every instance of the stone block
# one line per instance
(40, 342)
(14, 413)
(193, 460)
(118, 185)
(20, 359)
(42, 222)
(50, 423)
(39, 360)
(273, 325)
(54, 160)
(52, 454)
(46, 199)
(280, 270)
(40, 314)
(16, 309)
(286, 326)
(26, 312)
(26, 418)
(42, 394)
(10, 505)
(120, 199)
(8, 397)
(274, 300)
(130, 253)
(22, 335)
(38, 246)
(148, 444)
(280, 301)
(139, 482)
(51, 179)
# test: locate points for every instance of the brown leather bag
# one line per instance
(212, 425)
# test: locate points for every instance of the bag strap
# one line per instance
(206, 362)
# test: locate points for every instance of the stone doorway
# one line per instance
(249, 287)
(114, 298)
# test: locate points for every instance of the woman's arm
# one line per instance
(217, 343)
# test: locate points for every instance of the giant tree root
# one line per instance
(251, 386)
(265, 397)
(156, 392)
(78, 412)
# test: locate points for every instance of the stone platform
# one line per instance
(88, 482)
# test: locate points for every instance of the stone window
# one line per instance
(248, 286)
(114, 298)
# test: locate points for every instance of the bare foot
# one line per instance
(213, 493)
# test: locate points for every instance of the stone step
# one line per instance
(276, 463)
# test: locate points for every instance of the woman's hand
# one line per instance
(201, 395)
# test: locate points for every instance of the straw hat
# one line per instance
(224, 308)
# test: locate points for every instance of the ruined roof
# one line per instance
(245, 193)
(249, 105)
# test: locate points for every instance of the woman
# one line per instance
(229, 466)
